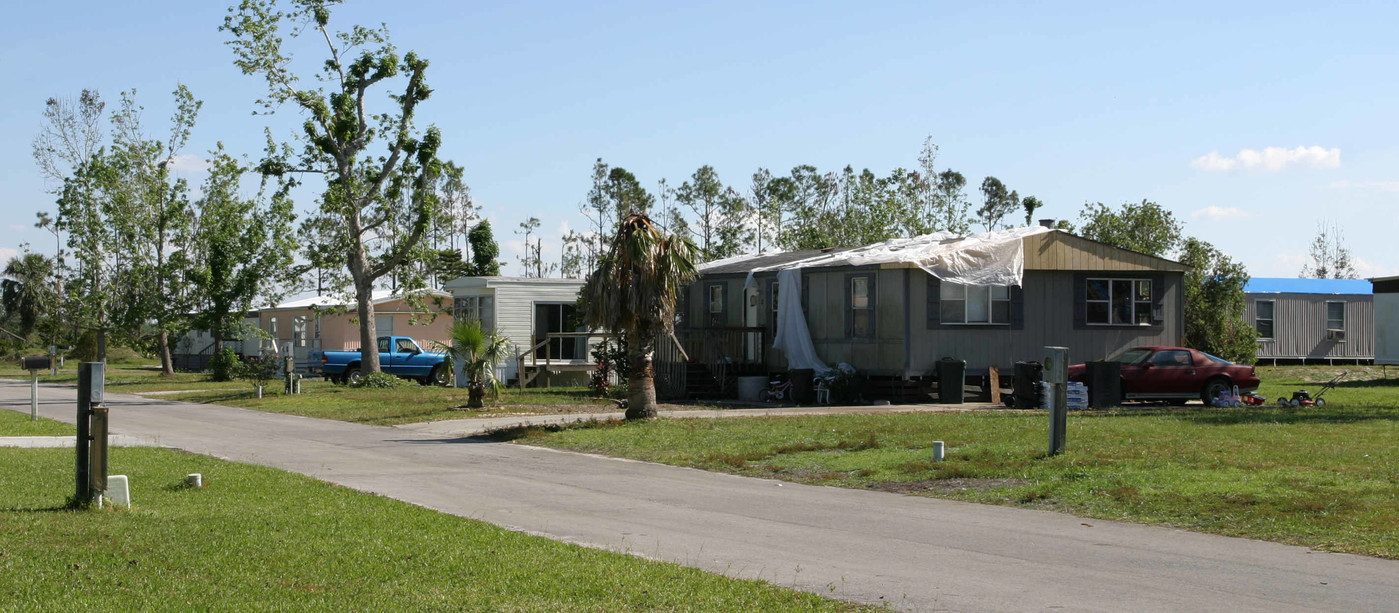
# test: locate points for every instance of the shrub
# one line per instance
(378, 380)
(224, 365)
(259, 370)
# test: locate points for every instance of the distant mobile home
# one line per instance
(1386, 296)
(330, 324)
(1312, 320)
(524, 310)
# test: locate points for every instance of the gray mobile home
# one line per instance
(892, 317)
(1312, 320)
(1386, 297)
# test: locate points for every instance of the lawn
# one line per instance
(260, 539)
(129, 378)
(1326, 478)
(18, 424)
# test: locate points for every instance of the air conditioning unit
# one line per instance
(1335, 335)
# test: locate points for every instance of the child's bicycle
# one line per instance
(1302, 398)
(778, 390)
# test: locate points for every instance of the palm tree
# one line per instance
(478, 351)
(26, 290)
(632, 293)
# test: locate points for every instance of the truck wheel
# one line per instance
(439, 376)
(352, 374)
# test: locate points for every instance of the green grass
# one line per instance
(260, 539)
(129, 378)
(18, 424)
(408, 403)
(1327, 477)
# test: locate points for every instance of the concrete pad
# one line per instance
(52, 442)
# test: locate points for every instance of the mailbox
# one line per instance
(35, 362)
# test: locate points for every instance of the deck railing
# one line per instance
(725, 352)
(542, 353)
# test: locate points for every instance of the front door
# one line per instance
(557, 317)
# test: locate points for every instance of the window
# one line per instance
(1173, 357)
(272, 328)
(298, 330)
(772, 298)
(1263, 319)
(715, 306)
(716, 299)
(406, 346)
(1118, 302)
(383, 345)
(475, 308)
(974, 304)
(1335, 316)
(860, 306)
(383, 324)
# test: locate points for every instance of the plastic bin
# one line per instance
(803, 385)
(1104, 384)
(952, 379)
(1028, 376)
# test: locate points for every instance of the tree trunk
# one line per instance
(475, 395)
(167, 362)
(102, 345)
(641, 387)
(368, 330)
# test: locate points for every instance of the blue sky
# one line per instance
(1078, 103)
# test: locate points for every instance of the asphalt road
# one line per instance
(916, 554)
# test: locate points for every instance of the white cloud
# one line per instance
(19, 227)
(1219, 212)
(1270, 159)
(6, 253)
(1382, 186)
(188, 163)
(1364, 269)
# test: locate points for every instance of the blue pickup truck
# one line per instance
(398, 355)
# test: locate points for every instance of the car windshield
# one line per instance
(1216, 359)
(1130, 356)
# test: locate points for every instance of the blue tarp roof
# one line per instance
(1274, 285)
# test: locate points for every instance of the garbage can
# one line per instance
(750, 389)
(952, 378)
(1028, 376)
(803, 385)
(1104, 381)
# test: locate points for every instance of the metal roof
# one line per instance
(1277, 285)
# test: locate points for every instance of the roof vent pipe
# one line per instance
(1048, 223)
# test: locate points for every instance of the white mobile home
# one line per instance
(1386, 297)
(524, 310)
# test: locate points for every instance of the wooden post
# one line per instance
(993, 377)
(90, 383)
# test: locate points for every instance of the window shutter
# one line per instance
(1017, 307)
(934, 305)
(849, 309)
(1080, 304)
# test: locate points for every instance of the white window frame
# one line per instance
(298, 330)
(715, 306)
(1271, 319)
(1137, 304)
(475, 308)
(1329, 318)
(945, 291)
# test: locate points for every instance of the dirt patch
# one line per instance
(946, 486)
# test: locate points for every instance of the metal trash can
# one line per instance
(803, 385)
(1028, 376)
(952, 378)
(1104, 381)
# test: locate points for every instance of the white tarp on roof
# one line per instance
(989, 258)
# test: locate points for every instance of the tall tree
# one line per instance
(951, 188)
(366, 190)
(1214, 304)
(997, 202)
(485, 253)
(633, 293)
(1144, 227)
(1330, 257)
(701, 194)
(243, 250)
(571, 255)
(764, 218)
(529, 258)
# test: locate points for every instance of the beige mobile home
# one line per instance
(324, 323)
(892, 310)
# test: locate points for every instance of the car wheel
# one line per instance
(439, 376)
(1213, 388)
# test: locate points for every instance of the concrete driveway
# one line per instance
(915, 554)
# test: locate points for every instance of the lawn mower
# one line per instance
(1302, 398)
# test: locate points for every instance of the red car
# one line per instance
(1175, 373)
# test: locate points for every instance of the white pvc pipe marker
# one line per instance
(118, 493)
(937, 451)
(194, 480)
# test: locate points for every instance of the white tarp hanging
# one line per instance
(793, 337)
